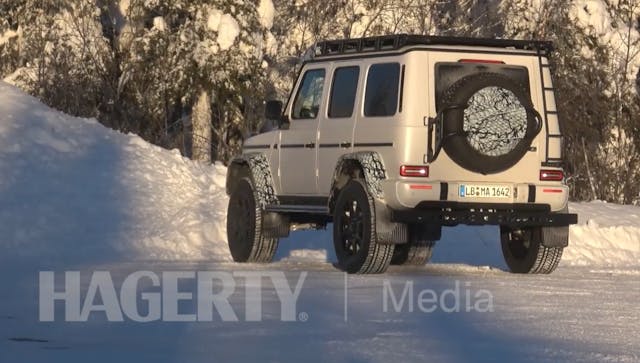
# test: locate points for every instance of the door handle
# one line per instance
(345, 144)
(310, 145)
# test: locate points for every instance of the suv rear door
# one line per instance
(449, 67)
(336, 129)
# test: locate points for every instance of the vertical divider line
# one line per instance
(346, 296)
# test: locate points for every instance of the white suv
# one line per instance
(391, 138)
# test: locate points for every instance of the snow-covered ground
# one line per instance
(72, 189)
(77, 196)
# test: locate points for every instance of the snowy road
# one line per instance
(576, 314)
(77, 196)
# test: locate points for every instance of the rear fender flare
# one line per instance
(373, 171)
(369, 162)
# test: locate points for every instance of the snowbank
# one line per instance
(607, 235)
(73, 190)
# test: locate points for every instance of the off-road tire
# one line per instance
(524, 252)
(354, 233)
(456, 144)
(244, 226)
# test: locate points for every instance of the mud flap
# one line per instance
(388, 232)
(555, 236)
(275, 225)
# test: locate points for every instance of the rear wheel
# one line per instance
(244, 226)
(524, 251)
(354, 234)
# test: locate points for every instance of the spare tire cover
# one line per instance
(488, 122)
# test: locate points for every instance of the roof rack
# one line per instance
(397, 41)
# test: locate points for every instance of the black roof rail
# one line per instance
(397, 41)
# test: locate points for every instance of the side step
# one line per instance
(296, 208)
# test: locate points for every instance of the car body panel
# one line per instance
(402, 139)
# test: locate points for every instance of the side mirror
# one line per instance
(283, 123)
(273, 110)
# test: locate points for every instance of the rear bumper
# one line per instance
(401, 194)
(448, 213)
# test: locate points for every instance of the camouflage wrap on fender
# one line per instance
(260, 173)
(372, 167)
(374, 171)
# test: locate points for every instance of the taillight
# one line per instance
(491, 61)
(414, 170)
(551, 175)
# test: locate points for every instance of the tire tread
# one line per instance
(379, 255)
(262, 249)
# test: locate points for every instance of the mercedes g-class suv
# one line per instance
(391, 138)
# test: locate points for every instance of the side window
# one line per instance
(343, 91)
(381, 96)
(307, 101)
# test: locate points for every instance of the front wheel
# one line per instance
(244, 226)
(354, 234)
(525, 253)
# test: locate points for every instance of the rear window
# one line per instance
(381, 96)
(447, 73)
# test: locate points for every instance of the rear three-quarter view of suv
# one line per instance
(392, 138)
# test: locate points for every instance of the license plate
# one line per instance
(485, 191)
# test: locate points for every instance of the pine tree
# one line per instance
(621, 41)
(57, 52)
